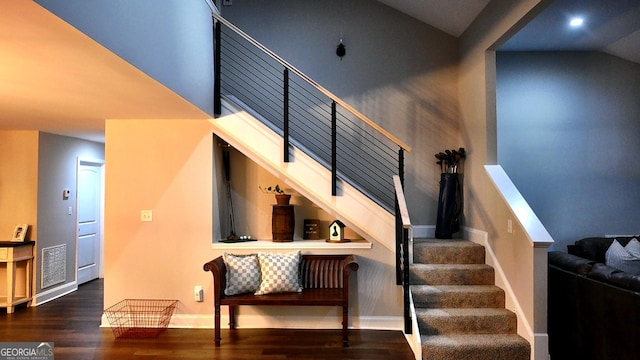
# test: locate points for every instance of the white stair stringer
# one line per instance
(304, 174)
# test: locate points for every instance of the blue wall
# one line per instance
(170, 40)
(568, 136)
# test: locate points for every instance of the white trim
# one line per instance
(260, 321)
(414, 339)
(533, 227)
(292, 245)
(482, 238)
(52, 294)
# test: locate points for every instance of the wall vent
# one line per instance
(54, 265)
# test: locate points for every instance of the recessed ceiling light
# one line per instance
(576, 22)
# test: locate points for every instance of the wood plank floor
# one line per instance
(72, 324)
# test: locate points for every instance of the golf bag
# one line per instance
(449, 206)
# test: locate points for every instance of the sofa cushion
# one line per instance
(595, 248)
(243, 273)
(615, 277)
(570, 262)
(280, 273)
(618, 257)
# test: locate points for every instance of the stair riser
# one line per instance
(496, 324)
(448, 255)
(460, 299)
(476, 353)
(484, 276)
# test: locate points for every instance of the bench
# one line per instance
(325, 282)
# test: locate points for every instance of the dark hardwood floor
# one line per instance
(72, 324)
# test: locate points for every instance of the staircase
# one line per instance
(460, 312)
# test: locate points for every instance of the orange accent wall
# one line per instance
(18, 182)
(164, 166)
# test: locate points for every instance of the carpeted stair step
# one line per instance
(466, 321)
(450, 251)
(457, 296)
(475, 347)
(452, 274)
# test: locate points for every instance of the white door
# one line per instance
(89, 220)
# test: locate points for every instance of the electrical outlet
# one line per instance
(510, 226)
(198, 293)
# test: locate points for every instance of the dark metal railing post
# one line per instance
(217, 96)
(401, 166)
(334, 143)
(285, 113)
(399, 249)
(407, 305)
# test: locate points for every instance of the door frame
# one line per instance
(101, 164)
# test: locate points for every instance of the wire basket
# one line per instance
(140, 318)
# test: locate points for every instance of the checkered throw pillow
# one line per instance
(243, 273)
(280, 273)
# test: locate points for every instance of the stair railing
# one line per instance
(403, 230)
(308, 116)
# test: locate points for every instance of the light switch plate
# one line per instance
(146, 215)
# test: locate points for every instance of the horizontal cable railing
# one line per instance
(356, 149)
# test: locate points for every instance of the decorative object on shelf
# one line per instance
(282, 198)
(311, 229)
(336, 232)
(20, 233)
(283, 223)
(450, 199)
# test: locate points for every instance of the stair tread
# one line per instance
(473, 339)
(449, 251)
(452, 274)
(457, 296)
(448, 312)
(456, 288)
(438, 242)
(475, 347)
(466, 321)
(435, 267)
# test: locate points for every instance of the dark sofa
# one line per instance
(594, 310)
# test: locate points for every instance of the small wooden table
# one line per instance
(11, 254)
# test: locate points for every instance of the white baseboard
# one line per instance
(257, 321)
(424, 231)
(52, 294)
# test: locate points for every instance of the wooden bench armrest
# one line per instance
(219, 271)
(350, 264)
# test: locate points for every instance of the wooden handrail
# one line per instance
(313, 83)
(402, 202)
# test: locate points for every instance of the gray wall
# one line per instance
(568, 136)
(57, 170)
(171, 40)
(398, 71)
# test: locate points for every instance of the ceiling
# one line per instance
(55, 79)
(611, 26)
(450, 16)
